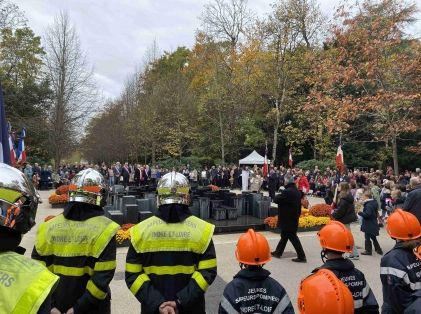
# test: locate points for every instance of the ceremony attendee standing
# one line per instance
(125, 173)
(80, 247)
(245, 179)
(171, 260)
(399, 268)
(369, 224)
(289, 211)
(345, 211)
(252, 287)
(25, 285)
(413, 199)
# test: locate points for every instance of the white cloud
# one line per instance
(116, 33)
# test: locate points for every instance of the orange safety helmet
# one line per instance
(403, 225)
(336, 237)
(323, 292)
(417, 252)
(253, 249)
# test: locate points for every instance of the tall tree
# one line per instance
(74, 92)
(370, 72)
(25, 88)
(11, 16)
(292, 24)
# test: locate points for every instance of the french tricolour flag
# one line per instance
(21, 147)
(5, 148)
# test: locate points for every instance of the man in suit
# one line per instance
(289, 211)
(137, 175)
(125, 173)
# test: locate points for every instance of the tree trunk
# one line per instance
(395, 155)
(275, 133)
(314, 148)
(153, 153)
(221, 129)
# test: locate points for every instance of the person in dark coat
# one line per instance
(413, 200)
(136, 177)
(369, 224)
(272, 183)
(252, 287)
(345, 211)
(289, 211)
(125, 173)
(336, 240)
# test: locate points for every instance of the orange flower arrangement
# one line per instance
(214, 188)
(58, 199)
(62, 189)
(320, 210)
(123, 233)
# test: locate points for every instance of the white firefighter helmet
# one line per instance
(18, 200)
(88, 186)
(173, 188)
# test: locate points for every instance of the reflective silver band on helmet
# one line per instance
(173, 188)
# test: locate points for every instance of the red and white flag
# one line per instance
(290, 159)
(265, 164)
(340, 159)
(12, 151)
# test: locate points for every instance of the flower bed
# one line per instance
(62, 189)
(55, 198)
(123, 234)
(60, 196)
(321, 210)
(306, 220)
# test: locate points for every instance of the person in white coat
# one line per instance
(245, 179)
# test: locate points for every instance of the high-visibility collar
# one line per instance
(154, 235)
(68, 238)
(24, 284)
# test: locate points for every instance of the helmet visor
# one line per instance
(8, 213)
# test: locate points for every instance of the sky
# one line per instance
(115, 34)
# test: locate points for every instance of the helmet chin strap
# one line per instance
(323, 255)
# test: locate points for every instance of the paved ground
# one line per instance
(284, 270)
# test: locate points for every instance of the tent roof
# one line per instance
(253, 159)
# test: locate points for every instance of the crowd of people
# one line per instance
(171, 260)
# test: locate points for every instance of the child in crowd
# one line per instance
(253, 290)
(336, 240)
(369, 223)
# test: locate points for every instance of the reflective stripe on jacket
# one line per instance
(171, 261)
(253, 291)
(24, 284)
(83, 254)
(400, 273)
(364, 299)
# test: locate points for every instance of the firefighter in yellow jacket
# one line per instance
(171, 260)
(79, 246)
(25, 285)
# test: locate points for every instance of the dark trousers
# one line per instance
(295, 241)
(373, 238)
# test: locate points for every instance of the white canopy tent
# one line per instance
(253, 159)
